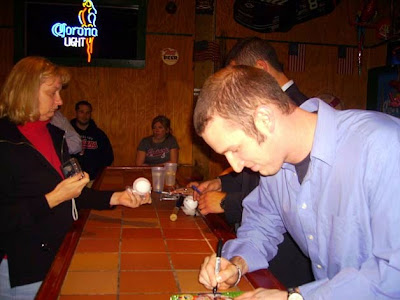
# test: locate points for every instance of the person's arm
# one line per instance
(74, 141)
(174, 155)
(232, 182)
(140, 157)
(260, 232)
(233, 207)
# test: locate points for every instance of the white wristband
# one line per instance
(239, 275)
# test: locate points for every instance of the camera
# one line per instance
(71, 167)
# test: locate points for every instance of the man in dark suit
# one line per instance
(226, 193)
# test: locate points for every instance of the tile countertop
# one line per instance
(137, 254)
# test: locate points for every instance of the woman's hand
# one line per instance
(129, 198)
(67, 189)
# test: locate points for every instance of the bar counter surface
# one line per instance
(140, 254)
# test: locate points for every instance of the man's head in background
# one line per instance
(259, 53)
(83, 110)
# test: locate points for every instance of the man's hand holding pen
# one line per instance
(217, 263)
(228, 276)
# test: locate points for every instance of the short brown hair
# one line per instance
(248, 50)
(234, 93)
(19, 99)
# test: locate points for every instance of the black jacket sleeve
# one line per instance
(237, 186)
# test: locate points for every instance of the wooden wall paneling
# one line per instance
(172, 87)
(376, 56)
(158, 20)
(6, 39)
(126, 100)
(7, 53)
(7, 13)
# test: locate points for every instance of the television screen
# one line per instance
(84, 32)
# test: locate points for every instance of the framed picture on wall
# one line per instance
(384, 90)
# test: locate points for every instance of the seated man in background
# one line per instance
(160, 147)
(97, 152)
(341, 208)
(74, 141)
(226, 193)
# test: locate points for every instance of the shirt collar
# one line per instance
(287, 85)
(324, 144)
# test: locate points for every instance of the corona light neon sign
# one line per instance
(75, 36)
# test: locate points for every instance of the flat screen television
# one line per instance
(98, 33)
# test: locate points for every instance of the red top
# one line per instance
(37, 133)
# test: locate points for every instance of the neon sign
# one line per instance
(75, 36)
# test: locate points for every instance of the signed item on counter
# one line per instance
(206, 296)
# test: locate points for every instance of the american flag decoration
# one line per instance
(297, 57)
(205, 50)
(346, 60)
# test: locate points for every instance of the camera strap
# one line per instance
(75, 215)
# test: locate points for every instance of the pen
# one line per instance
(196, 189)
(178, 204)
(217, 263)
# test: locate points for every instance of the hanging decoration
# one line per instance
(205, 50)
(297, 57)
(345, 60)
(272, 16)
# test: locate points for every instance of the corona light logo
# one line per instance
(169, 56)
(75, 36)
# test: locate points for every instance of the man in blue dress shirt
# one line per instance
(330, 179)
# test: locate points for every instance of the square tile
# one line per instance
(147, 282)
(140, 222)
(94, 261)
(189, 282)
(138, 213)
(183, 234)
(102, 220)
(110, 213)
(82, 283)
(145, 261)
(179, 223)
(187, 261)
(188, 246)
(132, 233)
(94, 232)
(143, 245)
(97, 245)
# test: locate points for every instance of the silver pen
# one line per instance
(218, 263)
